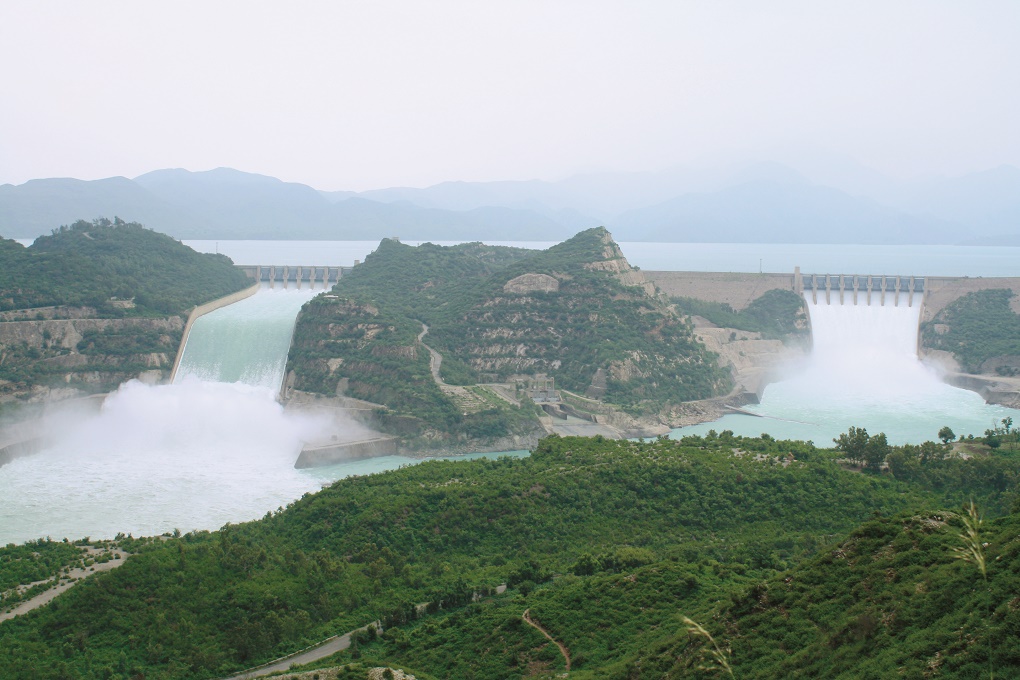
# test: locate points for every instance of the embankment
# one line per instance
(317, 456)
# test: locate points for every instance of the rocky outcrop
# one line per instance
(67, 333)
(532, 283)
(753, 360)
(44, 360)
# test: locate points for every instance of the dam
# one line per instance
(296, 276)
(200, 453)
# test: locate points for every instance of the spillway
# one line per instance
(245, 342)
(863, 370)
(213, 447)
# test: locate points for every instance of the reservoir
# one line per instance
(216, 446)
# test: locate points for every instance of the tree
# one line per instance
(875, 451)
(853, 444)
(946, 434)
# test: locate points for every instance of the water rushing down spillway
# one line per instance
(864, 371)
(245, 342)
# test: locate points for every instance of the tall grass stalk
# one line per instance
(973, 551)
(718, 656)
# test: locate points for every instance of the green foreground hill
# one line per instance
(607, 543)
(576, 312)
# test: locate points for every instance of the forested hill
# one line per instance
(796, 563)
(91, 263)
(577, 312)
(96, 304)
(580, 313)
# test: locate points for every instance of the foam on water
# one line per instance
(191, 455)
(863, 371)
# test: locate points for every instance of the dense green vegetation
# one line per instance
(95, 263)
(606, 542)
(890, 600)
(975, 328)
(775, 313)
(363, 341)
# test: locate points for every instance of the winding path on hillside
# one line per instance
(435, 358)
(66, 581)
(328, 647)
(534, 624)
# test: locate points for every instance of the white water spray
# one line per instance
(864, 371)
(194, 454)
(865, 353)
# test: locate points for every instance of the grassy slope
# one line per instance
(372, 546)
(890, 600)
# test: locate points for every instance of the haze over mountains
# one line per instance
(756, 203)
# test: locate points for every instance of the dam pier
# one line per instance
(295, 275)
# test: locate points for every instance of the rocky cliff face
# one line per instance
(60, 358)
(583, 315)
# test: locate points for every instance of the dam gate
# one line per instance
(294, 275)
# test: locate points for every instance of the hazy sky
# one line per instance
(357, 95)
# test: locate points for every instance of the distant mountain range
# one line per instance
(758, 203)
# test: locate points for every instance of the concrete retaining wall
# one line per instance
(341, 453)
(205, 309)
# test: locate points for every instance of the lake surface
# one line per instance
(698, 257)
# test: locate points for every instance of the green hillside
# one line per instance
(978, 327)
(607, 543)
(93, 263)
(576, 312)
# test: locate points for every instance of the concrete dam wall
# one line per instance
(735, 289)
(739, 290)
(752, 361)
